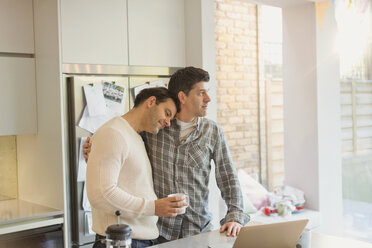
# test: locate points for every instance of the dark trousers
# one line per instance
(162, 240)
(136, 243)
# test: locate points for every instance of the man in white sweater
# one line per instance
(119, 175)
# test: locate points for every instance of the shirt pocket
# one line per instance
(198, 157)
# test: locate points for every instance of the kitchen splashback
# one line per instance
(8, 168)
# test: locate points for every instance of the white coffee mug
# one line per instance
(305, 239)
(187, 200)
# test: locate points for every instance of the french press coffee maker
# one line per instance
(118, 236)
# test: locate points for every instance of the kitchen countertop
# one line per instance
(18, 215)
(216, 239)
(312, 215)
(15, 210)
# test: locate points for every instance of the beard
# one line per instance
(154, 121)
(202, 112)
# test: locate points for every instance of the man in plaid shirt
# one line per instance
(181, 156)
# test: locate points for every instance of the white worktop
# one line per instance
(312, 215)
(18, 215)
(216, 239)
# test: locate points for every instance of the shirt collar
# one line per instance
(198, 122)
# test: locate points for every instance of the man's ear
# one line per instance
(182, 97)
(151, 101)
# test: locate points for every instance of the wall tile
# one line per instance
(8, 167)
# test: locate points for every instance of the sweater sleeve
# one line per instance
(108, 155)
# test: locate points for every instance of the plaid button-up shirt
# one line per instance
(185, 167)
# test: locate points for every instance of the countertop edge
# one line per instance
(33, 217)
(34, 223)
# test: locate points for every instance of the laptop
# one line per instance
(275, 235)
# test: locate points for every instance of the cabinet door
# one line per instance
(94, 32)
(50, 236)
(17, 96)
(16, 26)
(156, 33)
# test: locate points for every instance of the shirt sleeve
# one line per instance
(228, 182)
(109, 151)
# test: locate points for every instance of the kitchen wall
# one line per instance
(312, 129)
(8, 167)
(249, 110)
(236, 74)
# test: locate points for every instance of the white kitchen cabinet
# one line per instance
(16, 26)
(94, 32)
(17, 96)
(156, 33)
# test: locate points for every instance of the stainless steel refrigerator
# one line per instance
(76, 102)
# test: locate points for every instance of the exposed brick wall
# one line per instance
(236, 58)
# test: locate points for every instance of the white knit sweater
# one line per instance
(119, 177)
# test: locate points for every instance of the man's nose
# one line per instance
(167, 122)
(207, 98)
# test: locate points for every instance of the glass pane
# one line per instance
(356, 119)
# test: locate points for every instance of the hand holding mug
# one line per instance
(171, 206)
(185, 200)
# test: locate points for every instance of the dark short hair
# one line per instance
(160, 93)
(184, 79)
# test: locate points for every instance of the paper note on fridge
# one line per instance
(86, 204)
(92, 123)
(115, 96)
(95, 99)
(82, 165)
(157, 83)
